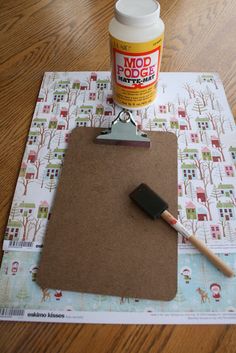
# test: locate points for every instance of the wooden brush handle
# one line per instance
(214, 259)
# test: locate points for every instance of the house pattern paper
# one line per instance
(191, 105)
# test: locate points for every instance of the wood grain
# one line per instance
(66, 35)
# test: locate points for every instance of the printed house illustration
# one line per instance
(206, 154)
(61, 125)
(189, 171)
(80, 121)
(194, 137)
(92, 96)
(181, 112)
(207, 78)
(32, 156)
(215, 231)
(160, 122)
(59, 153)
(109, 99)
(108, 111)
(53, 123)
(12, 230)
(43, 209)
(62, 85)
(183, 125)
(232, 151)
(190, 153)
(203, 123)
(23, 169)
(201, 195)
(180, 190)
(174, 124)
(46, 109)
(229, 170)
(38, 122)
(102, 84)
(191, 210)
(52, 171)
(226, 210)
(202, 214)
(59, 96)
(226, 190)
(93, 76)
(76, 84)
(32, 138)
(163, 109)
(215, 142)
(85, 109)
(30, 173)
(216, 157)
(26, 209)
(63, 112)
(99, 109)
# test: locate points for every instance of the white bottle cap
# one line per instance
(137, 12)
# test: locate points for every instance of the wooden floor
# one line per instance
(71, 35)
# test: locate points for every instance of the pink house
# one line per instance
(31, 156)
(181, 112)
(215, 231)
(46, 108)
(201, 194)
(64, 112)
(194, 137)
(215, 142)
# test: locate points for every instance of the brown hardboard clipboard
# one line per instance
(98, 240)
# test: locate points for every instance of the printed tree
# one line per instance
(51, 134)
(216, 194)
(230, 233)
(35, 225)
(203, 97)
(15, 211)
(38, 163)
(25, 182)
(193, 226)
(92, 119)
(189, 89)
(185, 103)
(49, 156)
(210, 166)
(223, 224)
(198, 106)
(51, 184)
(22, 293)
(143, 115)
(218, 132)
(211, 96)
(25, 221)
(150, 125)
(212, 119)
(204, 176)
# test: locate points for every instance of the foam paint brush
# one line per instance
(156, 207)
(124, 131)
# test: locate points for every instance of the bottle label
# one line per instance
(135, 68)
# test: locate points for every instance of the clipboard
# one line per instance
(97, 240)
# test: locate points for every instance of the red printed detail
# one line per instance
(173, 221)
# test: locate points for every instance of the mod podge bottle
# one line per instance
(136, 40)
